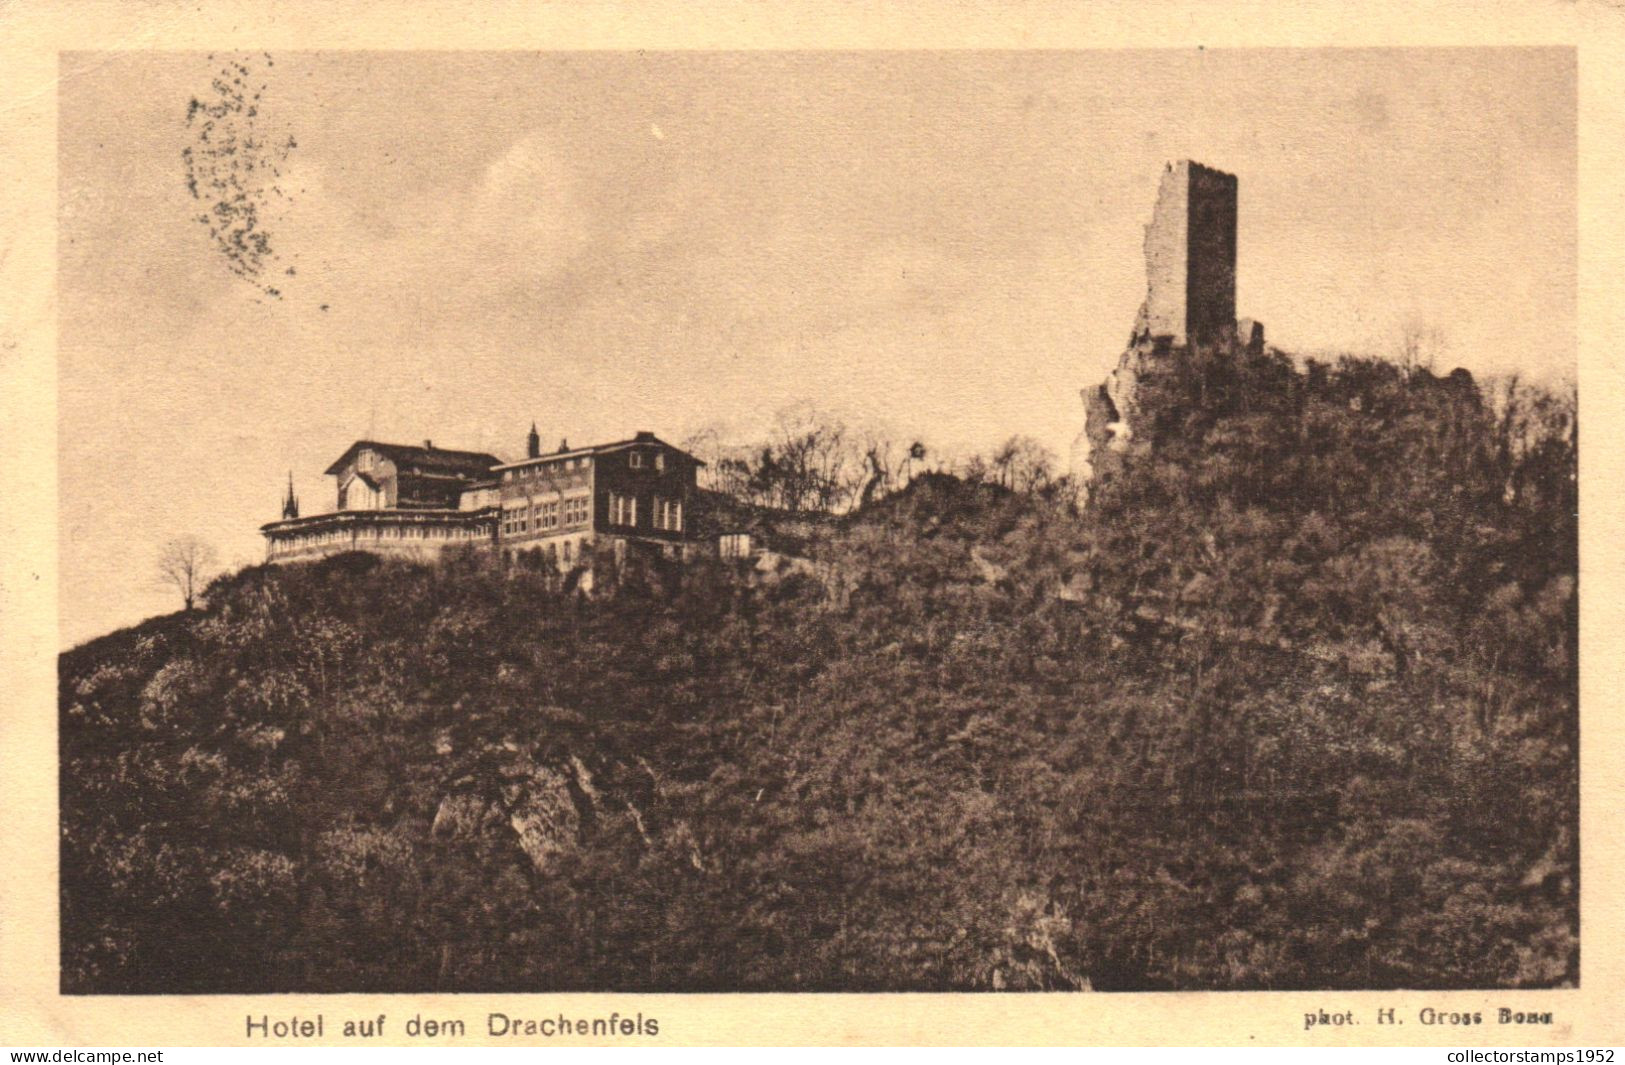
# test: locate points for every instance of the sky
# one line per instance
(946, 244)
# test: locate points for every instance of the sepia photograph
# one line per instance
(954, 520)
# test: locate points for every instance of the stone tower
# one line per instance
(1190, 257)
(1190, 305)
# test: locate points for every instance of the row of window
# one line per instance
(667, 513)
(530, 473)
(637, 460)
(381, 532)
(546, 516)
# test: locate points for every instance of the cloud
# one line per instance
(526, 209)
(454, 250)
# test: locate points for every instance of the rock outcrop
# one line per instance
(546, 806)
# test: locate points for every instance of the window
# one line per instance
(635, 460)
(548, 516)
(660, 460)
(623, 510)
(668, 514)
(576, 510)
(513, 521)
(566, 551)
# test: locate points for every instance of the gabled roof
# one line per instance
(599, 449)
(426, 459)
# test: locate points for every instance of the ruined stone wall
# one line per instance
(1167, 245)
(1190, 300)
(1190, 257)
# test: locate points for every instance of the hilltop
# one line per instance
(1290, 703)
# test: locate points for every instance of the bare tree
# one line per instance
(976, 470)
(1022, 464)
(811, 460)
(1420, 346)
(185, 564)
(816, 460)
(1536, 435)
(880, 469)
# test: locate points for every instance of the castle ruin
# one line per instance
(1190, 304)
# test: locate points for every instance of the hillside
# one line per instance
(1291, 703)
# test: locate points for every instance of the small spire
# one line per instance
(290, 505)
(533, 443)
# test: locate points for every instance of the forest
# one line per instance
(1290, 702)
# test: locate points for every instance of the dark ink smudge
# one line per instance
(233, 167)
